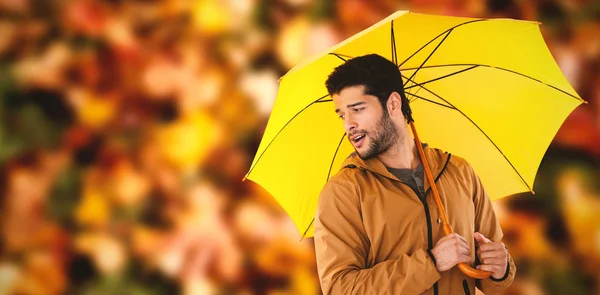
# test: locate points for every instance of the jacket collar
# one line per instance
(437, 160)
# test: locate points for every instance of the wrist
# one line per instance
(504, 276)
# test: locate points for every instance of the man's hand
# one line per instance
(492, 255)
(451, 250)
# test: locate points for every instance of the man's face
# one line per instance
(370, 130)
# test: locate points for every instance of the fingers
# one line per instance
(464, 258)
(490, 268)
(491, 254)
(451, 250)
(462, 239)
(493, 261)
(453, 236)
(464, 248)
(493, 249)
(455, 239)
(481, 239)
(497, 271)
(446, 238)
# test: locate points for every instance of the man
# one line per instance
(377, 228)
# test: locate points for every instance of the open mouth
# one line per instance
(357, 140)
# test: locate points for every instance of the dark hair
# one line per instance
(380, 77)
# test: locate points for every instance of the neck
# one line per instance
(403, 154)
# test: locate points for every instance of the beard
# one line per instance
(384, 137)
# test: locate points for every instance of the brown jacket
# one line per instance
(372, 232)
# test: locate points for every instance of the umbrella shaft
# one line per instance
(436, 194)
(465, 268)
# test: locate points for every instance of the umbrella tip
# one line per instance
(532, 192)
(584, 101)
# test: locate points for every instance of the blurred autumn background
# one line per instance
(126, 128)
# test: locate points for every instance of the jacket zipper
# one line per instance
(429, 236)
(428, 216)
(426, 208)
(466, 287)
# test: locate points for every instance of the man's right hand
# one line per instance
(450, 251)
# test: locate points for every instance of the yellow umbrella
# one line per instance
(487, 90)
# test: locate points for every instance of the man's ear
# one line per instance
(394, 104)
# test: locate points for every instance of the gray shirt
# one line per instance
(413, 178)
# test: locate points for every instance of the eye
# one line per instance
(341, 117)
(358, 110)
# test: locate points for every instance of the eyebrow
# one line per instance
(351, 105)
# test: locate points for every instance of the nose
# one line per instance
(349, 123)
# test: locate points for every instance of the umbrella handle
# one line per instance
(472, 272)
(465, 268)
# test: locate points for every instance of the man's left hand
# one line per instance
(492, 255)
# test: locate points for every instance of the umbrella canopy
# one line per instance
(487, 90)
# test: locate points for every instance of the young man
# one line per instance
(377, 228)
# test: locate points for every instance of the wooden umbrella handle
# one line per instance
(465, 268)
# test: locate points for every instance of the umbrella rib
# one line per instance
(335, 155)
(428, 57)
(344, 55)
(280, 130)
(479, 128)
(442, 77)
(328, 174)
(497, 68)
(306, 231)
(444, 32)
(431, 101)
(394, 52)
(339, 56)
(445, 65)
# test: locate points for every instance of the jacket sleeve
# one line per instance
(487, 224)
(342, 248)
